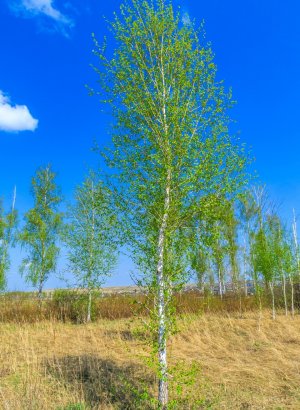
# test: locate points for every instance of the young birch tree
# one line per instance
(218, 255)
(295, 251)
(247, 218)
(276, 244)
(296, 245)
(7, 225)
(202, 243)
(39, 234)
(200, 258)
(289, 265)
(90, 237)
(232, 247)
(171, 149)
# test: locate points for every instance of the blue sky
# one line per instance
(47, 116)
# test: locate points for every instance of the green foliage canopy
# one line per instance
(40, 232)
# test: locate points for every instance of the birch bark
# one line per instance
(273, 300)
(162, 323)
(88, 318)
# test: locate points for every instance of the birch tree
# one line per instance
(289, 265)
(202, 241)
(200, 261)
(296, 245)
(90, 237)
(276, 245)
(216, 242)
(284, 264)
(247, 218)
(295, 251)
(7, 225)
(231, 223)
(218, 255)
(42, 224)
(263, 262)
(171, 149)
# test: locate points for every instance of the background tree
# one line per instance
(231, 225)
(278, 252)
(289, 264)
(40, 232)
(171, 149)
(218, 251)
(247, 217)
(265, 250)
(296, 249)
(200, 258)
(217, 244)
(90, 237)
(253, 206)
(7, 225)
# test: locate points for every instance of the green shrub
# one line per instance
(70, 305)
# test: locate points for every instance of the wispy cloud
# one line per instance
(14, 118)
(186, 20)
(44, 9)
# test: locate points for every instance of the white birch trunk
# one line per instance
(292, 296)
(296, 243)
(89, 310)
(42, 276)
(92, 239)
(284, 293)
(40, 294)
(273, 300)
(245, 267)
(220, 284)
(260, 311)
(245, 287)
(162, 324)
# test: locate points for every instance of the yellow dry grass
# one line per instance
(100, 366)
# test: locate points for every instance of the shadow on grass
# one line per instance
(103, 382)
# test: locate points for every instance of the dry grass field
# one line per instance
(63, 366)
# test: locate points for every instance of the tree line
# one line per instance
(241, 247)
(248, 248)
(86, 229)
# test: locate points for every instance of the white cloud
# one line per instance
(186, 20)
(14, 118)
(44, 8)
